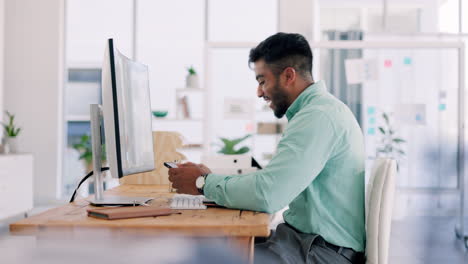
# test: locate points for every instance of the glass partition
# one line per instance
(417, 91)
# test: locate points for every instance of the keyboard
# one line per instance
(187, 201)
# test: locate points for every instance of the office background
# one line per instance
(51, 53)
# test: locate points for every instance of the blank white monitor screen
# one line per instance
(136, 140)
(128, 127)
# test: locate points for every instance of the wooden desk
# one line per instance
(238, 227)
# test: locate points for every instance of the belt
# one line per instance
(353, 256)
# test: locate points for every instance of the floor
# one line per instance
(427, 240)
(414, 240)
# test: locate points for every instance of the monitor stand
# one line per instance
(99, 198)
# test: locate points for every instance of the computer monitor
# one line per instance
(126, 114)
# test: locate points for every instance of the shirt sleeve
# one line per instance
(306, 146)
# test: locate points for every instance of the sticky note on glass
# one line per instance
(370, 110)
(388, 63)
(371, 131)
(249, 127)
(407, 60)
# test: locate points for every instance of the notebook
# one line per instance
(130, 212)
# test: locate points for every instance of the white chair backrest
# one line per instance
(379, 206)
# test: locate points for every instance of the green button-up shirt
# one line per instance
(318, 170)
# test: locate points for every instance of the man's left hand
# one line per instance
(183, 178)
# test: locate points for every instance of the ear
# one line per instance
(290, 75)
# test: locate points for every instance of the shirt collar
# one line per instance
(304, 98)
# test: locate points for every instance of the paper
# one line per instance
(354, 70)
(411, 114)
(371, 71)
(360, 70)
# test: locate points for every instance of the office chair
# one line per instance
(379, 206)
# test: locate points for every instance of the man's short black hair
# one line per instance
(284, 50)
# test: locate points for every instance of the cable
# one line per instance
(83, 180)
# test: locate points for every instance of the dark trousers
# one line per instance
(287, 245)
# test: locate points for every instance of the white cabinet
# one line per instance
(16, 184)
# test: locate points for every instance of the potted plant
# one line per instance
(10, 144)
(391, 147)
(84, 147)
(390, 143)
(229, 147)
(191, 80)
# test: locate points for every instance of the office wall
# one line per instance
(293, 14)
(2, 19)
(34, 71)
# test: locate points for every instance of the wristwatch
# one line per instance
(200, 182)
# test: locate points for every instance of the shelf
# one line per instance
(84, 118)
(190, 90)
(78, 118)
(178, 119)
(84, 65)
(192, 146)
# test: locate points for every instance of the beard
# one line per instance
(279, 100)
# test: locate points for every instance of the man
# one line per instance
(318, 169)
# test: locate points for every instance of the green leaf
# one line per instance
(227, 151)
(18, 130)
(10, 129)
(239, 140)
(229, 145)
(399, 140)
(82, 156)
(401, 152)
(84, 147)
(76, 145)
(225, 141)
(385, 116)
(191, 70)
(382, 130)
(243, 150)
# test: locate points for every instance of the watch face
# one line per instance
(200, 182)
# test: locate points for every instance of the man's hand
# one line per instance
(183, 178)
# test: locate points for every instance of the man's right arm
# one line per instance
(302, 153)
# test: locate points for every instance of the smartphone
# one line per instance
(170, 165)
